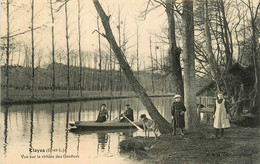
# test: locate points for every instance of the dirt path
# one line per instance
(239, 145)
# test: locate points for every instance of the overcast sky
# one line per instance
(130, 12)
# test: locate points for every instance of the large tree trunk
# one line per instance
(164, 126)
(189, 65)
(174, 51)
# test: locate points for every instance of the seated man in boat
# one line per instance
(103, 114)
(128, 113)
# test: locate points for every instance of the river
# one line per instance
(39, 133)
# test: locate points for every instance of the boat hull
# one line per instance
(108, 125)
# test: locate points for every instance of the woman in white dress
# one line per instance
(221, 116)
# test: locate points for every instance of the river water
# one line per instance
(40, 133)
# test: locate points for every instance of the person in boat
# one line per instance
(103, 114)
(221, 115)
(177, 111)
(128, 113)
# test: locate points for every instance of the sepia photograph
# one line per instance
(130, 81)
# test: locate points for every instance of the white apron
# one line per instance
(221, 120)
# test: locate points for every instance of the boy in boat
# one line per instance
(221, 115)
(128, 113)
(177, 111)
(103, 114)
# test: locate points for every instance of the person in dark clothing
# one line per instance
(221, 115)
(103, 114)
(128, 113)
(177, 111)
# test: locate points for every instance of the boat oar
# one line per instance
(116, 118)
(133, 123)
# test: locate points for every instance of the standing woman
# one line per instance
(103, 114)
(177, 111)
(220, 115)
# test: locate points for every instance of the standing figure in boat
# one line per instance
(103, 114)
(221, 114)
(128, 113)
(177, 111)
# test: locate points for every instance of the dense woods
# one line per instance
(205, 38)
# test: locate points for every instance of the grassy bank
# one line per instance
(239, 145)
(44, 96)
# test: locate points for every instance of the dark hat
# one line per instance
(127, 105)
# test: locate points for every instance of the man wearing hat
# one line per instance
(128, 113)
(177, 111)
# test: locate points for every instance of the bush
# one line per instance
(132, 144)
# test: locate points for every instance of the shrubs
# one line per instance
(132, 144)
(246, 120)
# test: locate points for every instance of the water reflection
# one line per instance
(5, 129)
(52, 126)
(78, 144)
(31, 131)
(46, 126)
(67, 128)
(102, 140)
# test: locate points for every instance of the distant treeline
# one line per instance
(20, 78)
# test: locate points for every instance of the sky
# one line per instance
(130, 17)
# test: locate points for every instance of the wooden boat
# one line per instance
(108, 125)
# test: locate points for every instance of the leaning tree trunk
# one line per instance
(189, 65)
(174, 51)
(164, 125)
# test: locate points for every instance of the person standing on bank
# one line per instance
(128, 113)
(221, 115)
(103, 114)
(177, 111)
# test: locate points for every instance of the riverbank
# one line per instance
(239, 145)
(45, 96)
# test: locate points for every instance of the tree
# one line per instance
(80, 55)
(7, 50)
(174, 51)
(68, 48)
(32, 39)
(210, 55)
(164, 126)
(189, 64)
(255, 51)
(53, 49)
(137, 50)
(100, 86)
(152, 67)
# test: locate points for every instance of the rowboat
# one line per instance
(108, 125)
